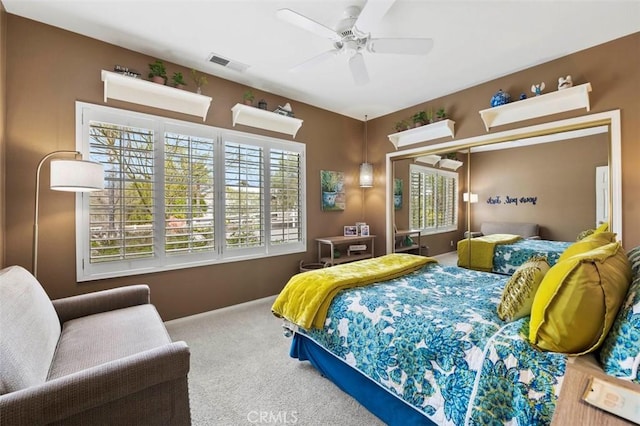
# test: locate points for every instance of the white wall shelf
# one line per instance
(436, 130)
(263, 119)
(138, 91)
(538, 106)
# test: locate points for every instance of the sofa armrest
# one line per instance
(69, 308)
(67, 396)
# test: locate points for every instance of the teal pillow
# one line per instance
(620, 352)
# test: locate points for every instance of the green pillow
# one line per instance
(588, 243)
(517, 296)
(578, 300)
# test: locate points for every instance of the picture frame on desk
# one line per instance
(350, 231)
(359, 225)
(364, 230)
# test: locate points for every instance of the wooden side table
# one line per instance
(571, 409)
(344, 242)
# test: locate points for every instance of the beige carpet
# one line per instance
(242, 374)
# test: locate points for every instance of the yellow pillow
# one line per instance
(518, 293)
(578, 300)
(602, 228)
(588, 243)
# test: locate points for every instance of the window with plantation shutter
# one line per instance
(179, 194)
(433, 200)
(188, 194)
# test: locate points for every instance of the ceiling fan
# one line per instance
(352, 36)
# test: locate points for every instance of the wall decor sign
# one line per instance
(332, 190)
(512, 200)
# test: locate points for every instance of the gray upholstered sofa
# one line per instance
(524, 229)
(94, 359)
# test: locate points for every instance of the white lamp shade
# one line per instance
(76, 175)
(473, 198)
(366, 175)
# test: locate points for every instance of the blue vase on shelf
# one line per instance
(500, 98)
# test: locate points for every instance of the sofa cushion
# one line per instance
(29, 330)
(95, 339)
(523, 229)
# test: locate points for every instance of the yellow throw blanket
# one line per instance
(482, 250)
(306, 298)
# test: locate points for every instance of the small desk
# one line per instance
(399, 247)
(345, 255)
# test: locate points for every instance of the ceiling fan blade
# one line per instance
(307, 24)
(372, 13)
(358, 69)
(404, 46)
(309, 63)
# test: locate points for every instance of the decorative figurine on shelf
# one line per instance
(284, 110)
(262, 104)
(537, 88)
(500, 98)
(199, 80)
(565, 82)
(523, 96)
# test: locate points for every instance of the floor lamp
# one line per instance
(76, 175)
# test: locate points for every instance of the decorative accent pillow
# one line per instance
(585, 233)
(517, 296)
(590, 242)
(604, 227)
(620, 353)
(578, 300)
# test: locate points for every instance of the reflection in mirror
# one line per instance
(549, 184)
(520, 176)
(427, 199)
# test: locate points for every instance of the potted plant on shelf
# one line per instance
(199, 80)
(158, 72)
(419, 118)
(402, 125)
(248, 97)
(440, 115)
(178, 80)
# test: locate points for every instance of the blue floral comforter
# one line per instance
(508, 257)
(433, 338)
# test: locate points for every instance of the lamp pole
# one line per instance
(35, 214)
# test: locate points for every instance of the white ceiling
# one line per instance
(474, 42)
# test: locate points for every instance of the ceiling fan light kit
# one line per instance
(352, 37)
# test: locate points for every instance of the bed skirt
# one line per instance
(386, 406)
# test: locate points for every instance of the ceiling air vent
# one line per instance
(227, 63)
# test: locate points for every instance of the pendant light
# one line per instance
(366, 169)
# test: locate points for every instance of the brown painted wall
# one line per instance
(3, 101)
(40, 119)
(48, 69)
(613, 69)
(560, 175)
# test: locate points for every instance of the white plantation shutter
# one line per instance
(244, 196)
(433, 200)
(179, 194)
(188, 194)
(121, 217)
(286, 196)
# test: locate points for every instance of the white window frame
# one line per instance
(436, 229)
(85, 271)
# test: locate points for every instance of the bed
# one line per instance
(504, 253)
(419, 343)
(428, 348)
